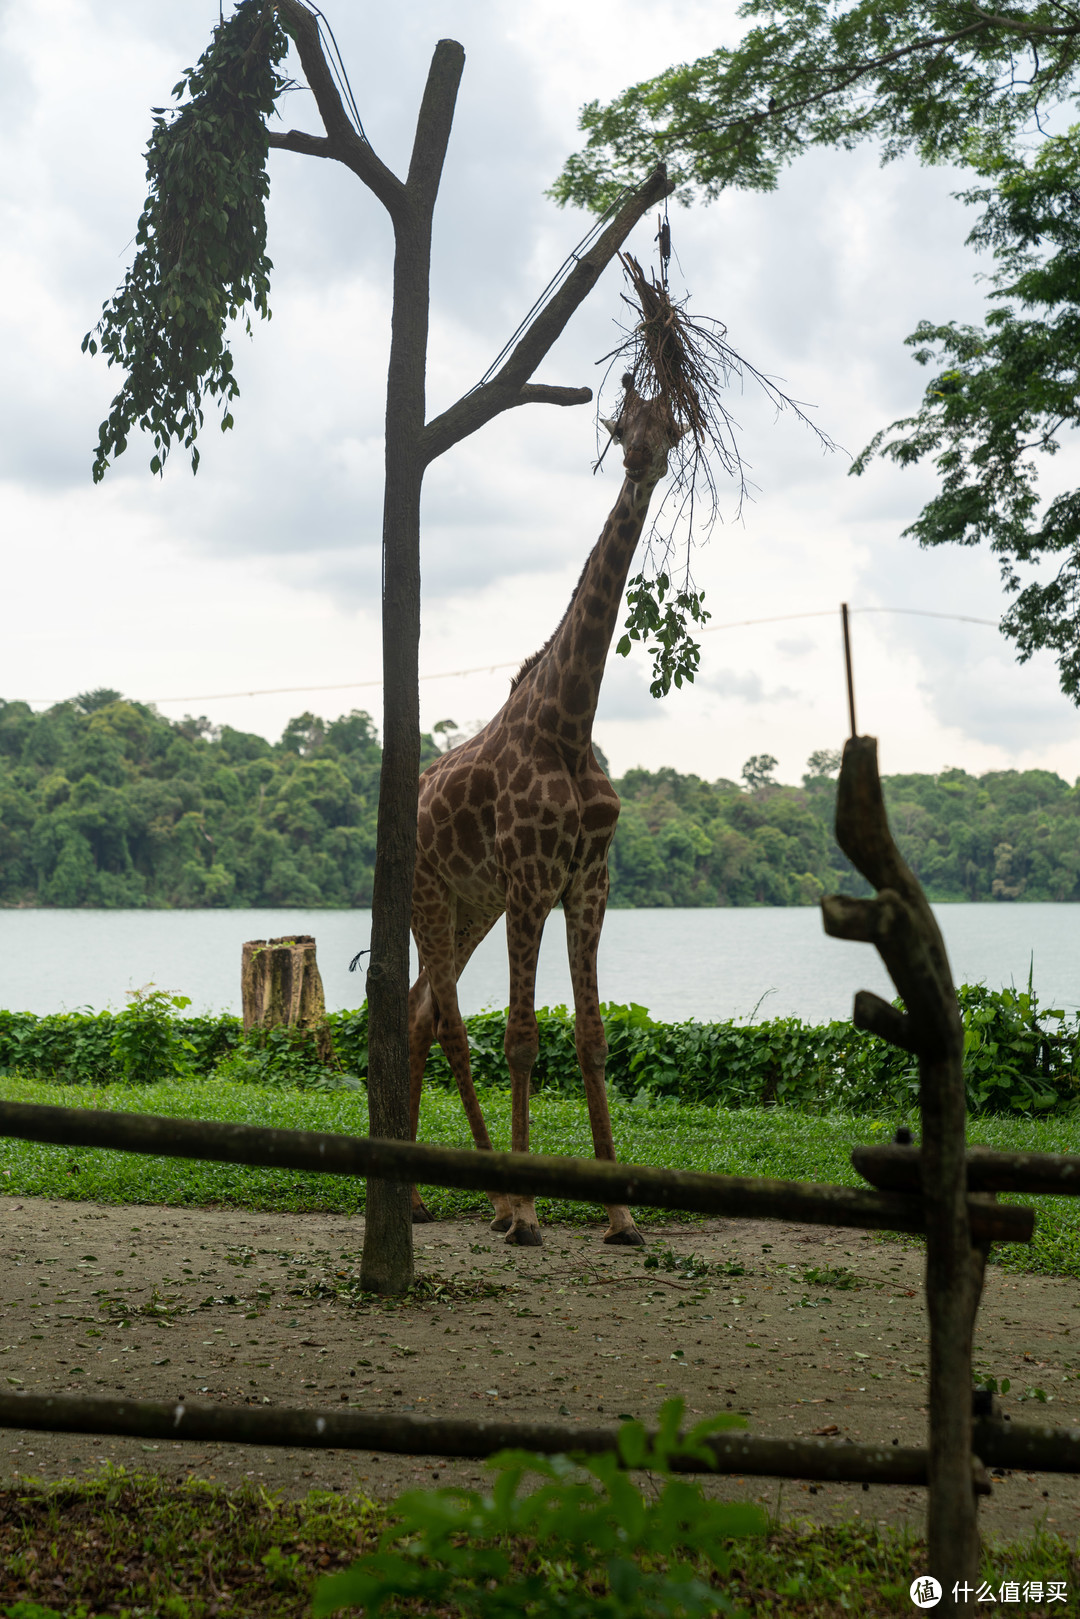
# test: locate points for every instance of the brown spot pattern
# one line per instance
(521, 816)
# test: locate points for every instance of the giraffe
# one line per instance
(521, 817)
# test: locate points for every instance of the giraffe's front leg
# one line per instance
(523, 934)
(584, 905)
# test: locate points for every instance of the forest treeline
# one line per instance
(104, 802)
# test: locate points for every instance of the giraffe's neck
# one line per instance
(566, 681)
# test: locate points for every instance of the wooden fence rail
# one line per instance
(367, 1157)
(896, 1168)
(998, 1443)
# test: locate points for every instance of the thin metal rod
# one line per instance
(738, 1196)
(847, 666)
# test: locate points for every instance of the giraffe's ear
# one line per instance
(613, 427)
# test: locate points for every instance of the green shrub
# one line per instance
(1018, 1058)
(578, 1547)
(147, 1043)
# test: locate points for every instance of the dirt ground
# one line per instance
(219, 1305)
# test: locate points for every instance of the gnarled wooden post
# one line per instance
(280, 983)
(900, 923)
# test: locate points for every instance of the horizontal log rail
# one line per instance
(896, 1168)
(737, 1196)
(732, 1452)
(1030, 1446)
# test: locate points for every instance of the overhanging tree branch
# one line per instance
(939, 76)
(297, 140)
(345, 143)
(507, 387)
(545, 393)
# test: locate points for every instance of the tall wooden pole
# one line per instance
(411, 445)
(900, 923)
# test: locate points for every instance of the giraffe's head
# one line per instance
(647, 431)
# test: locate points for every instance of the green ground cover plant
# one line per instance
(595, 1545)
(122, 1543)
(1019, 1057)
(777, 1141)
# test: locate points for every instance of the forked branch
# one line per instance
(899, 921)
(342, 141)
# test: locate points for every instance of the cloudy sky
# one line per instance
(262, 573)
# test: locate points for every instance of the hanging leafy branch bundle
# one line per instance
(687, 361)
(201, 239)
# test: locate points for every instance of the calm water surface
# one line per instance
(705, 964)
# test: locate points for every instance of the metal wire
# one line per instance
(515, 663)
(336, 64)
(553, 285)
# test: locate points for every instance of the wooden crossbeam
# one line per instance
(736, 1196)
(401, 1435)
(899, 1169)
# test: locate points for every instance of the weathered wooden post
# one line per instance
(280, 984)
(900, 923)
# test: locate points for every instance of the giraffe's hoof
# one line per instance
(421, 1215)
(525, 1236)
(501, 1222)
(627, 1237)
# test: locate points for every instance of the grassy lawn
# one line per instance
(774, 1142)
(134, 1546)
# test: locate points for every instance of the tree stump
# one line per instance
(280, 985)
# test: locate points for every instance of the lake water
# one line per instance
(704, 964)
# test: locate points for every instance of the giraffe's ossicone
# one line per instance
(520, 818)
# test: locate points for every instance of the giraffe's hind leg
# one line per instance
(421, 1039)
(525, 917)
(445, 944)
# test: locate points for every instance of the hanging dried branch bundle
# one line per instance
(670, 355)
(688, 361)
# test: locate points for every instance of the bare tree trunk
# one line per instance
(386, 1266)
(387, 1261)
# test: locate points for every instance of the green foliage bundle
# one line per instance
(201, 258)
(580, 1547)
(658, 614)
(1019, 1058)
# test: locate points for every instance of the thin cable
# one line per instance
(336, 64)
(515, 663)
(553, 286)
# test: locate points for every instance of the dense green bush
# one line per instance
(584, 1544)
(1018, 1058)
